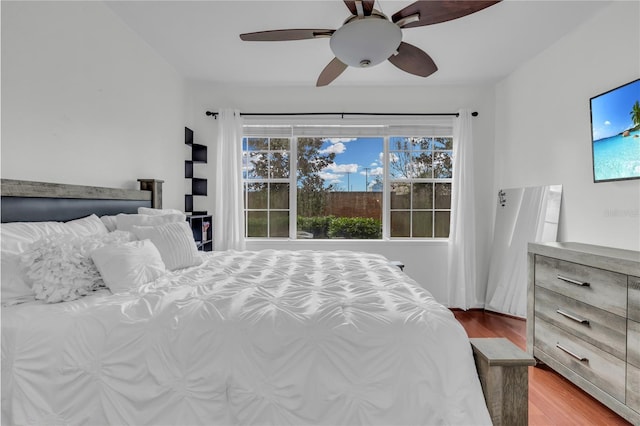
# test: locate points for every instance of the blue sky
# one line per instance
(356, 158)
(610, 111)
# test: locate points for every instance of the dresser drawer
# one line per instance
(633, 343)
(603, 289)
(634, 299)
(600, 368)
(602, 329)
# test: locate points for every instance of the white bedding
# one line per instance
(270, 337)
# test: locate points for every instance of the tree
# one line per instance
(311, 186)
(269, 158)
(635, 114)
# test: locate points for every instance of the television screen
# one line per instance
(615, 133)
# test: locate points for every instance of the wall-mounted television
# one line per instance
(615, 133)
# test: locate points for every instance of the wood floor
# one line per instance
(553, 400)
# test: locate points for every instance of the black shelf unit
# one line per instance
(202, 227)
(198, 185)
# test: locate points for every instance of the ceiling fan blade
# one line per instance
(367, 6)
(331, 72)
(413, 60)
(284, 35)
(433, 12)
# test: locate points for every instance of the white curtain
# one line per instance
(462, 276)
(228, 216)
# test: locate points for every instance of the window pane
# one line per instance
(257, 224)
(422, 225)
(421, 144)
(422, 164)
(256, 196)
(400, 196)
(279, 224)
(279, 196)
(280, 144)
(279, 163)
(257, 144)
(442, 165)
(442, 224)
(443, 195)
(339, 184)
(400, 165)
(400, 224)
(443, 143)
(422, 196)
(258, 166)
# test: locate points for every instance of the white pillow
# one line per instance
(126, 222)
(16, 237)
(128, 265)
(109, 222)
(90, 225)
(59, 267)
(157, 212)
(174, 241)
(14, 285)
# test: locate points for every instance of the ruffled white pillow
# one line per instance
(60, 266)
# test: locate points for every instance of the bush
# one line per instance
(355, 227)
(316, 225)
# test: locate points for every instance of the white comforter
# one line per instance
(271, 337)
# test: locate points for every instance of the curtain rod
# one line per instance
(343, 114)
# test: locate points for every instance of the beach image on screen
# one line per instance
(615, 126)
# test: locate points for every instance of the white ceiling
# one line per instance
(201, 39)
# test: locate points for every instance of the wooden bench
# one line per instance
(502, 368)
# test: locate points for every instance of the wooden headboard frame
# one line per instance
(28, 201)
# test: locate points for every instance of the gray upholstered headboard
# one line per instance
(28, 201)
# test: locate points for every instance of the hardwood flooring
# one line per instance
(553, 400)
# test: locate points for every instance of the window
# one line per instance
(347, 182)
(420, 172)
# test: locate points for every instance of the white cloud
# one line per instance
(607, 123)
(341, 168)
(374, 164)
(337, 148)
(330, 177)
(339, 140)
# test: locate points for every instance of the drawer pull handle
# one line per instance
(578, 357)
(572, 281)
(573, 317)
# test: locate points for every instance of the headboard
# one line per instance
(28, 201)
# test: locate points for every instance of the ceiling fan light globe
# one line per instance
(365, 42)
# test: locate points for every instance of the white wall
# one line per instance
(425, 261)
(86, 101)
(543, 126)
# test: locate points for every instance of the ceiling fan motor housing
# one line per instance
(365, 42)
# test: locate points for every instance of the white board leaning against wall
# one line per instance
(523, 215)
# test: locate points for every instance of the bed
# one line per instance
(268, 337)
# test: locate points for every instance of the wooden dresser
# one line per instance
(583, 319)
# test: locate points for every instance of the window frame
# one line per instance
(386, 133)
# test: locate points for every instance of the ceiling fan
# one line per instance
(367, 37)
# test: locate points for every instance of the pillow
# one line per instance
(109, 222)
(13, 284)
(128, 265)
(126, 222)
(157, 212)
(90, 225)
(16, 237)
(174, 241)
(59, 267)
